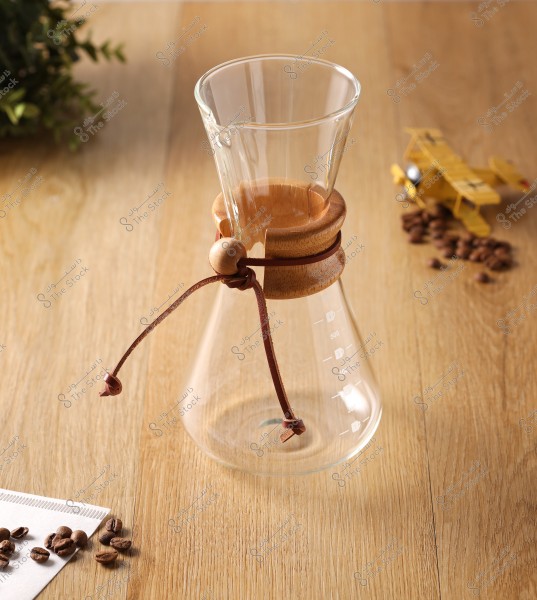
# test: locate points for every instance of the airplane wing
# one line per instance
(509, 174)
(454, 170)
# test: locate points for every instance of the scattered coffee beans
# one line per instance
(80, 538)
(106, 557)
(434, 222)
(120, 543)
(19, 533)
(39, 555)
(111, 536)
(64, 531)
(7, 547)
(106, 537)
(115, 525)
(4, 534)
(64, 547)
(48, 540)
(4, 561)
(57, 538)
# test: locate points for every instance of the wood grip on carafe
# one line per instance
(296, 221)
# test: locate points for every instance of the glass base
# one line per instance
(255, 445)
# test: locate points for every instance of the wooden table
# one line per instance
(446, 508)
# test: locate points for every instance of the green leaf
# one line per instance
(119, 54)
(31, 111)
(15, 95)
(19, 110)
(11, 114)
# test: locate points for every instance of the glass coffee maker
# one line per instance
(277, 127)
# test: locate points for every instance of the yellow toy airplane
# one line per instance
(435, 170)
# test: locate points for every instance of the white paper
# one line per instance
(24, 578)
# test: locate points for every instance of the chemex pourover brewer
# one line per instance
(281, 330)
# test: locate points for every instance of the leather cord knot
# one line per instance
(243, 280)
(112, 386)
(297, 425)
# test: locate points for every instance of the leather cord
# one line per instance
(244, 279)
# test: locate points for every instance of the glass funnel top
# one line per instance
(269, 130)
(266, 91)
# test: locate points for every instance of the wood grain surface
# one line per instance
(444, 503)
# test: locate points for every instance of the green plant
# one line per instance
(39, 44)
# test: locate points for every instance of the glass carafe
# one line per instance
(277, 127)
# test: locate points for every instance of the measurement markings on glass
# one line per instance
(355, 425)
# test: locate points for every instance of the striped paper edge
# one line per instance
(51, 505)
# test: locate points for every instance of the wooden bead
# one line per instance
(225, 254)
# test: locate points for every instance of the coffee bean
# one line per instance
(482, 277)
(415, 237)
(64, 547)
(39, 555)
(115, 525)
(418, 229)
(505, 245)
(106, 537)
(106, 557)
(468, 237)
(494, 263)
(4, 534)
(463, 252)
(120, 543)
(437, 235)
(437, 224)
(64, 531)
(452, 238)
(434, 263)
(410, 224)
(57, 538)
(475, 256)
(80, 538)
(4, 561)
(7, 547)
(448, 253)
(439, 210)
(48, 540)
(502, 253)
(19, 533)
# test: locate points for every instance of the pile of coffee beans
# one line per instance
(64, 541)
(433, 225)
(111, 536)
